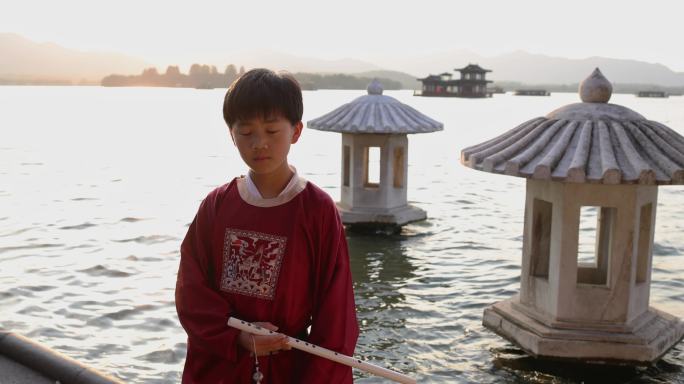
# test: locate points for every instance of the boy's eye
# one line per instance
(244, 133)
(272, 131)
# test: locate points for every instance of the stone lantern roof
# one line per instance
(588, 142)
(375, 113)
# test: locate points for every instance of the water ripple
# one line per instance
(165, 356)
(127, 312)
(131, 219)
(79, 226)
(17, 232)
(38, 288)
(664, 250)
(31, 246)
(151, 239)
(100, 270)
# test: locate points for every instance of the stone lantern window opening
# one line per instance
(594, 244)
(346, 164)
(371, 167)
(586, 239)
(644, 243)
(541, 238)
(398, 167)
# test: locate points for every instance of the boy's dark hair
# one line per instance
(263, 93)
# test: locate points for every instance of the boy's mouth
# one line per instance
(261, 158)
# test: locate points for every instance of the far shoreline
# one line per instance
(670, 91)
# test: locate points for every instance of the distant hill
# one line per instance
(518, 66)
(293, 63)
(406, 80)
(25, 61)
(527, 68)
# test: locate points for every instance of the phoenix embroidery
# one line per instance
(251, 262)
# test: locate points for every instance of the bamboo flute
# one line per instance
(323, 352)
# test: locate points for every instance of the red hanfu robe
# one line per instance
(282, 260)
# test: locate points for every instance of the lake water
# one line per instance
(98, 186)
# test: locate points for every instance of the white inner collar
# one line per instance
(254, 191)
(250, 194)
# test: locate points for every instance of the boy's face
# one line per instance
(264, 142)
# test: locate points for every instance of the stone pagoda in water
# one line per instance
(379, 123)
(586, 154)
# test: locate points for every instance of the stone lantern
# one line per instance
(599, 155)
(375, 157)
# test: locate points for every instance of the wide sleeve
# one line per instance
(202, 311)
(334, 324)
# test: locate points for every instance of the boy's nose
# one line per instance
(259, 143)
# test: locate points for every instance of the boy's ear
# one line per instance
(297, 131)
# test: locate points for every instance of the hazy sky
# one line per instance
(182, 32)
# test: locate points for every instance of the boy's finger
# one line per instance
(269, 341)
(269, 326)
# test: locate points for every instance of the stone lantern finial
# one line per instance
(595, 88)
(375, 88)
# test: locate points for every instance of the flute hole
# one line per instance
(360, 362)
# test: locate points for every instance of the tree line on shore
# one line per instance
(208, 76)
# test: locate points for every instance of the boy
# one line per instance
(268, 247)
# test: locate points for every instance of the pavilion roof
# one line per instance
(472, 68)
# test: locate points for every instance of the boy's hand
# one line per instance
(264, 344)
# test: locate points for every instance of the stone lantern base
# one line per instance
(645, 340)
(378, 216)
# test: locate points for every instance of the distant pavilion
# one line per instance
(471, 84)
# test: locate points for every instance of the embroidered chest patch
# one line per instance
(251, 262)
